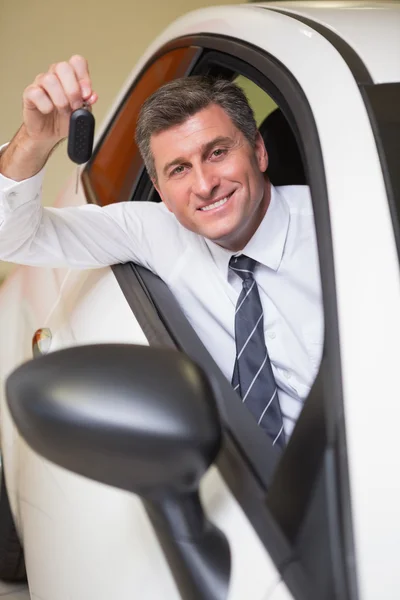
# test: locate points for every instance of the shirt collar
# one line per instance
(267, 244)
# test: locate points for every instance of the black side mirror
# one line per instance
(141, 419)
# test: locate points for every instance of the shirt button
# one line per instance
(12, 194)
(287, 374)
(271, 335)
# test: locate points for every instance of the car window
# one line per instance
(286, 167)
(261, 103)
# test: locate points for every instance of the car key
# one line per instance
(80, 137)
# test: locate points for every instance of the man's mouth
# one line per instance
(216, 204)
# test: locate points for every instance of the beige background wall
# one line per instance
(111, 34)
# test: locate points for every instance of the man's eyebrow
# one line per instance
(205, 149)
(218, 141)
(176, 161)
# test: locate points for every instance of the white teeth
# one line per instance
(219, 203)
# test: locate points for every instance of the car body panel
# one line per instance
(359, 24)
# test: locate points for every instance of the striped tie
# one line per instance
(252, 375)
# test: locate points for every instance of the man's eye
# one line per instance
(219, 152)
(177, 170)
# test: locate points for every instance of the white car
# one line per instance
(113, 440)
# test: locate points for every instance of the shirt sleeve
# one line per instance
(81, 237)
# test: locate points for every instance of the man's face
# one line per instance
(211, 178)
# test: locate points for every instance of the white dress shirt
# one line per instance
(195, 269)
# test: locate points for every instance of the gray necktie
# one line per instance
(252, 375)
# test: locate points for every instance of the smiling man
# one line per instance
(239, 254)
(211, 186)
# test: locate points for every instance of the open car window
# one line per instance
(261, 103)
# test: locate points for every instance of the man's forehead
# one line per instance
(192, 135)
(205, 120)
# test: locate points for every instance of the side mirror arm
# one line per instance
(197, 552)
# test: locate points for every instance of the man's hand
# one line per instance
(47, 106)
(50, 100)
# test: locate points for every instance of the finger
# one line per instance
(53, 88)
(69, 83)
(93, 98)
(38, 78)
(80, 65)
(35, 98)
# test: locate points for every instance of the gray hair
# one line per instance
(180, 99)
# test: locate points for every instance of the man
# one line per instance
(239, 255)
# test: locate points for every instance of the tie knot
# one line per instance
(243, 265)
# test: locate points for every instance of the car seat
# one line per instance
(285, 166)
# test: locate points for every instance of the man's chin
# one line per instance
(219, 232)
(223, 237)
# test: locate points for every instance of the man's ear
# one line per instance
(261, 153)
(163, 199)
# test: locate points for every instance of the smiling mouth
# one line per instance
(216, 204)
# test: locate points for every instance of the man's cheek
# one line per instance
(232, 169)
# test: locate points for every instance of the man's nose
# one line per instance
(205, 180)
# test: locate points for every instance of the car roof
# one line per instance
(370, 28)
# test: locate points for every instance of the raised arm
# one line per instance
(79, 237)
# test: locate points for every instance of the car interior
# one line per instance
(285, 165)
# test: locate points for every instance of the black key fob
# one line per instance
(81, 134)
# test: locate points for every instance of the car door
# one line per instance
(290, 505)
(303, 508)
